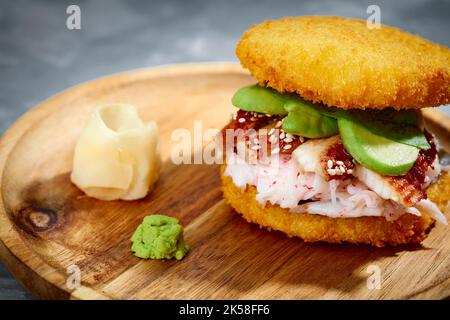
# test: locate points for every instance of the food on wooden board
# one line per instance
(159, 237)
(338, 105)
(116, 155)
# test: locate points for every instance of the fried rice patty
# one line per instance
(340, 62)
(376, 231)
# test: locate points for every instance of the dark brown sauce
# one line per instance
(251, 120)
(256, 121)
(416, 174)
(336, 152)
(411, 184)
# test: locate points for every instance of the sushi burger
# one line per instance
(333, 146)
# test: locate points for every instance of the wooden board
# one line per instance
(46, 224)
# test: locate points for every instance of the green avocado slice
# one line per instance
(259, 99)
(305, 121)
(309, 125)
(375, 152)
(401, 133)
(408, 117)
(298, 104)
(399, 126)
(316, 120)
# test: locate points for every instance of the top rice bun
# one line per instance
(341, 62)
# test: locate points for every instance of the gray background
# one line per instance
(40, 57)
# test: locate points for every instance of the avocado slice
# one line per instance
(309, 125)
(259, 99)
(409, 117)
(375, 152)
(401, 133)
(305, 121)
(296, 103)
(299, 104)
(316, 120)
(399, 126)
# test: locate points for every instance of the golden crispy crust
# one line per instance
(376, 231)
(439, 192)
(340, 62)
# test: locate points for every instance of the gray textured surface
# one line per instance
(40, 57)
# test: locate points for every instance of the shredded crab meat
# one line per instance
(281, 182)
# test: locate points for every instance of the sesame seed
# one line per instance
(234, 115)
(257, 147)
(290, 136)
(272, 139)
(339, 163)
(278, 124)
(275, 151)
(287, 147)
(331, 172)
(330, 164)
(241, 120)
(282, 135)
(268, 115)
(302, 139)
(253, 119)
(287, 139)
(342, 169)
(271, 131)
(350, 171)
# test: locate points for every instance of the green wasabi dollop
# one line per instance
(159, 237)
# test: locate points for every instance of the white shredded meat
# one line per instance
(282, 182)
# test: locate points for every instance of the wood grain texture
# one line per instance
(47, 224)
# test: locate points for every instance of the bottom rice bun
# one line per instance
(376, 231)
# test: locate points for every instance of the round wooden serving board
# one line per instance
(48, 225)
